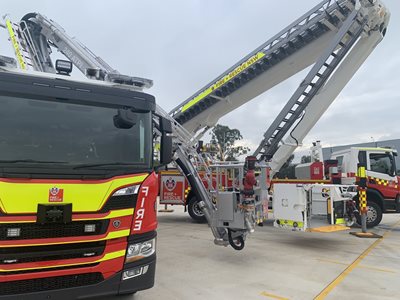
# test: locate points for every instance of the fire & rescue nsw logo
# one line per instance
(170, 184)
(56, 194)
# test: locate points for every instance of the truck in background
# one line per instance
(383, 192)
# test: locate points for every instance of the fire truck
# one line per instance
(382, 180)
(335, 38)
(77, 180)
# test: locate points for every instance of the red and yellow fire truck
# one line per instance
(77, 183)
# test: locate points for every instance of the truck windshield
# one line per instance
(382, 163)
(74, 136)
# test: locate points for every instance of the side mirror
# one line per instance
(125, 119)
(166, 141)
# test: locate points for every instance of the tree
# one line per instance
(305, 159)
(287, 170)
(224, 139)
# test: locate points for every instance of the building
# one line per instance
(394, 144)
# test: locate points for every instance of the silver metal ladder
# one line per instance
(21, 44)
(347, 36)
(187, 158)
(324, 17)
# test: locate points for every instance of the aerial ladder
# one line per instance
(335, 36)
(329, 29)
(33, 39)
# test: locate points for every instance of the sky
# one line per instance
(184, 44)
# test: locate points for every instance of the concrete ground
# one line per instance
(275, 264)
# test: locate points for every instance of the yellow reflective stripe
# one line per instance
(108, 256)
(340, 221)
(248, 63)
(361, 172)
(291, 223)
(377, 149)
(113, 214)
(85, 197)
(111, 235)
(15, 45)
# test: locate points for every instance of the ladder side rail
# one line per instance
(17, 43)
(349, 66)
(184, 157)
(31, 47)
(49, 33)
(307, 20)
(294, 100)
(67, 45)
(206, 205)
(101, 62)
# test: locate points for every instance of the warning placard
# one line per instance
(172, 189)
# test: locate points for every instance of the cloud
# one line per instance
(183, 45)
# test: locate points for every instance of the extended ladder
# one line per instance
(323, 18)
(347, 36)
(21, 42)
(187, 158)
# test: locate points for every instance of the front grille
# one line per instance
(120, 202)
(48, 269)
(38, 231)
(53, 252)
(49, 283)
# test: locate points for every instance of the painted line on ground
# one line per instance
(272, 296)
(325, 292)
(336, 262)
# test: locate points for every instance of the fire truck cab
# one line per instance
(382, 180)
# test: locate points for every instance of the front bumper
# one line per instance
(108, 287)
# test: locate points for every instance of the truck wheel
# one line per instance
(194, 210)
(374, 215)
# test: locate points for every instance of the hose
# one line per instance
(238, 243)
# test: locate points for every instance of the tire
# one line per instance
(195, 211)
(374, 215)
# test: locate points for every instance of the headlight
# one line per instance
(126, 191)
(140, 250)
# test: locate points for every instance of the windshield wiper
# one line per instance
(33, 161)
(104, 165)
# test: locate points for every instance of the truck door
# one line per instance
(382, 173)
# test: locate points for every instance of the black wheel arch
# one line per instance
(376, 196)
(190, 196)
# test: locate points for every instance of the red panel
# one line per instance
(51, 181)
(114, 246)
(145, 218)
(317, 170)
(107, 268)
(125, 223)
